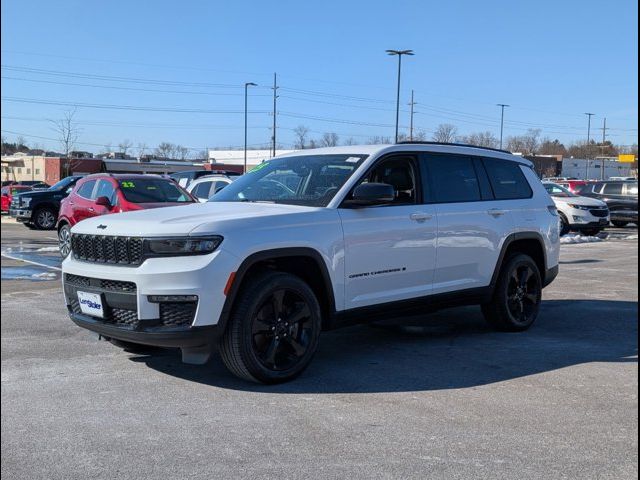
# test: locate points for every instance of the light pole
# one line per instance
(412, 103)
(502, 107)
(399, 53)
(246, 88)
(589, 115)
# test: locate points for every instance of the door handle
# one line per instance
(496, 212)
(91, 209)
(71, 203)
(420, 217)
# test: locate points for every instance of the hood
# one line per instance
(43, 194)
(195, 218)
(584, 201)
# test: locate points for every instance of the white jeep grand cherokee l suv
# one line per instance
(314, 240)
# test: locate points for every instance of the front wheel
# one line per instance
(64, 241)
(517, 296)
(45, 218)
(274, 329)
(564, 224)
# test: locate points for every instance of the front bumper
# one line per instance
(21, 214)
(624, 216)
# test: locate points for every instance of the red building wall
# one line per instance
(55, 168)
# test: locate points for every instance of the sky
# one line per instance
(154, 71)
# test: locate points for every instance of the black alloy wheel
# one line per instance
(523, 294)
(281, 330)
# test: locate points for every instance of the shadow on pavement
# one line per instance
(449, 349)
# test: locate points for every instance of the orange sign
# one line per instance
(626, 158)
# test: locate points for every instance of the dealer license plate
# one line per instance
(91, 304)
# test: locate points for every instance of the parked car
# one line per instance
(39, 208)
(574, 186)
(185, 178)
(581, 214)
(206, 187)
(104, 193)
(8, 192)
(620, 196)
(35, 184)
(352, 234)
(623, 178)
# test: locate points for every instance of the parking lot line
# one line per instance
(31, 262)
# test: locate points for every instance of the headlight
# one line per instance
(176, 246)
(579, 207)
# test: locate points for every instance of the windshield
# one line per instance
(152, 190)
(309, 180)
(64, 183)
(558, 190)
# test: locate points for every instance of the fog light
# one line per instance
(172, 298)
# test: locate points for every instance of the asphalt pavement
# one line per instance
(437, 396)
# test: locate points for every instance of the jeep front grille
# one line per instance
(107, 249)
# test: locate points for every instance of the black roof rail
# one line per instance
(446, 144)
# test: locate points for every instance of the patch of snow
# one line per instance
(47, 249)
(631, 237)
(577, 238)
(44, 275)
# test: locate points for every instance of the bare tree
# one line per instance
(480, 139)
(165, 150)
(313, 143)
(301, 132)
(419, 135)
(445, 133)
(124, 146)
(329, 139)
(552, 147)
(142, 148)
(181, 153)
(68, 133)
(349, 141)
(378, 140)
(526, 144)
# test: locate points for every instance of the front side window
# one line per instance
(400, 173)
(86, 189)
(152, 190)
(452, 179)
(202, 190)
(507, 179)
(308, 180)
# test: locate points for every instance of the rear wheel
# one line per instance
(274, 329)
(64, 240)
(517, 296)
(44, 218)
(619, 223)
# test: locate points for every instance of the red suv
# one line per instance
(104, 193)
(8, 192)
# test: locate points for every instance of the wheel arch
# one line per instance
(304, 262)
(529, 243)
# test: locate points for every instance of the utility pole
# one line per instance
(399, 54)
(589, 115)
(275, 96)
(604, 139)
(502, 107)
(246, 87)
(412, 103)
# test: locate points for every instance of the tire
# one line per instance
(591, 232)
(564, 224)
(517, 296)
(619, 223)
(273, 330)
(44, 218)
(64, 240)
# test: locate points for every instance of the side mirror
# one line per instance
(369, 194)
(103, 202)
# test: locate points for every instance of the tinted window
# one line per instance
(452, 179)
(202, 190)
(612, 189)
(86, 189)
(217, 186)
(106, 189)
(507, 179)
(399, 173)
(152, 190)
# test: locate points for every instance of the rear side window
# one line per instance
(86, 189)
(632, 189)
(507, 179)
(452, 179)
(612, 189)
(202, 190)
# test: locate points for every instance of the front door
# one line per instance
(390, 249)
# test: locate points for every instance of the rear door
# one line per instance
(471, 222)
(81, 200)
(390, 249)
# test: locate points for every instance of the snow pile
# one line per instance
(631, 237)
(47, 249)
(44, 276)
(577, 238)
